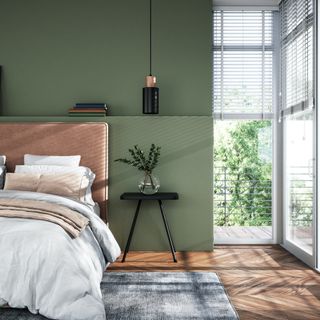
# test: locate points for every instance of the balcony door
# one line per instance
(298, 118)
(299, 185)
(243, 182)
(244, 104)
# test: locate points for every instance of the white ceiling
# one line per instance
(246, 2)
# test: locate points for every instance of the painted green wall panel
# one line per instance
(185, 167)
(55, 53)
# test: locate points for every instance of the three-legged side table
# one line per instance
(158, 197)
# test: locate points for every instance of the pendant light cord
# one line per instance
(150, 36)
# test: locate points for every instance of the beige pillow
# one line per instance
(70, 185)
(22, 181)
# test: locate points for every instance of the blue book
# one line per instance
(91, 105)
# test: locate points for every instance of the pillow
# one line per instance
(67, 161)
(2, 160)
(22, 181)
(3, 171)
(70, 185)
(47, 169)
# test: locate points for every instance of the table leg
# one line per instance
(131, 231)
(172, 247)
(166, 223)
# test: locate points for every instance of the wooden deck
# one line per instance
(228, 233)
(263, 282)
(301, 236)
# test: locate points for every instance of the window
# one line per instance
(298, 122)
(242, 63)
(296, 55)
(243, 108)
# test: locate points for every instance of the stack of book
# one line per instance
(88, 110)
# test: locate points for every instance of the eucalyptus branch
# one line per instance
(139, 160)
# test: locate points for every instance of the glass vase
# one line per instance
(149, 183)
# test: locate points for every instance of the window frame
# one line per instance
(301, 108)
(275, 48)
(276, 125)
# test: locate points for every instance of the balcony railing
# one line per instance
(300, 196)
(239, 200)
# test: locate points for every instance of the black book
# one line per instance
(91, 105)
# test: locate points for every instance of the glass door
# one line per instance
(243, 187)
(299, 185)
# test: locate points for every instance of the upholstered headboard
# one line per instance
(90, 140)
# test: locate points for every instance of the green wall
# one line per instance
(185, 167)
(56, 53)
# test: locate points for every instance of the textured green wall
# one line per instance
(55, 53)
(185, 167)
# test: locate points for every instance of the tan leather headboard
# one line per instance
(90, 140)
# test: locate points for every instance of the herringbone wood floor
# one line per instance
(263, 282)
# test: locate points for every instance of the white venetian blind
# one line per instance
(242, 62)
(296, 55)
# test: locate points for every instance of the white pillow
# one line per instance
(3, 171)
(2, 160)
(67, 161)
(48, 169)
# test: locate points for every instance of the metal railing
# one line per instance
(239, 200)
(300, 195)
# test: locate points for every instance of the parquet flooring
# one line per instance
(263, 282)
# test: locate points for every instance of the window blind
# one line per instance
(242, 63)
(296, 55)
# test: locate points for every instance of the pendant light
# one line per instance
(150, 91)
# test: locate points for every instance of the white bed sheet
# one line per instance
(44, 269)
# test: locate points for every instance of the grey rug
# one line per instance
(156, 296)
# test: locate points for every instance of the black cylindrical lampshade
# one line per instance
(150, 100)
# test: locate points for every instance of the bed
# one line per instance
(44, 265)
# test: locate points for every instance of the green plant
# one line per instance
(143, 163)
(243, 175)
(140, 161)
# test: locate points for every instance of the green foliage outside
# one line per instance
(301, 202)
(242, 173)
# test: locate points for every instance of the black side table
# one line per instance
(159, 197)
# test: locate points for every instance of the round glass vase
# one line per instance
(149, 183)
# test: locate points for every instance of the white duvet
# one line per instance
(44, 269)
